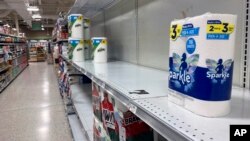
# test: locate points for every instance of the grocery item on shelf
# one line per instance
(87, 49)
(99, 132)
(177, 47)
(76, 49)
(86, 29)
(99, 45)
(56, 52)
(64, 47)
(37, 54)
(96, 101)
(203, 73)
(118, 123)
(75, 26)
(13, 59)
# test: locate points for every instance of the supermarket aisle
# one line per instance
(32, 109)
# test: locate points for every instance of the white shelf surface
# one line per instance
(191, 126)
(82, 100)
(125, 78)
(170, 120)
(76, 128)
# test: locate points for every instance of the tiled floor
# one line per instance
(31, 108)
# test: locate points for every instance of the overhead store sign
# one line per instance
(36, 25)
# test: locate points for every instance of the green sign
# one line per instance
(36, 26)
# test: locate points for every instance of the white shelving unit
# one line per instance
(82, 102)
(171, 121)
(76, 128)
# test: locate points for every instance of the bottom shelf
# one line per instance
(82, 102)
(76, 128)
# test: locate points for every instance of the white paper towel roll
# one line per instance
(87, 49)
(87, 33)
(99, 45)
(86, 22)
(210, 93)
(75, 23)
(176, 51)
(76, 49)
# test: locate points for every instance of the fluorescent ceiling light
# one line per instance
(36, 16)
(42, 28)
(32, 8)
(7, 25)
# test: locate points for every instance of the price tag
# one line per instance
(223, 28)
(175, 31)
(132, 108)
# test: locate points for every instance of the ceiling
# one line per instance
(48, 9)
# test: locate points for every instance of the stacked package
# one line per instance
(76, 36)
(87, 39)
(114, 122)
(201, 63)
(100, 52)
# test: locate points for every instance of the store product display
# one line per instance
(200, 69)
(75, 26)
(99, 45)
(87, 49)
(76, 49)
(64, 47)
(13, 58)
(176, 47)
(87, 42)
(115, 121)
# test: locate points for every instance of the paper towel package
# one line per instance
(87, 49)
(86, 22)
(205, 69)
(76, 49)
(65, 49)
(176, 48)
(99, 132)
(75, 26)
(118, 122)
(87, 39)
(99, 45)
(96, 101)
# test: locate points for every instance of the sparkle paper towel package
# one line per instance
(76, 49)
(75, 26)
(176, 49)
(99, 45)
(206, 67)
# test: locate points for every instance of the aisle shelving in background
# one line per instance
(14, 58)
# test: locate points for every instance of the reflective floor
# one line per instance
(31, 108)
